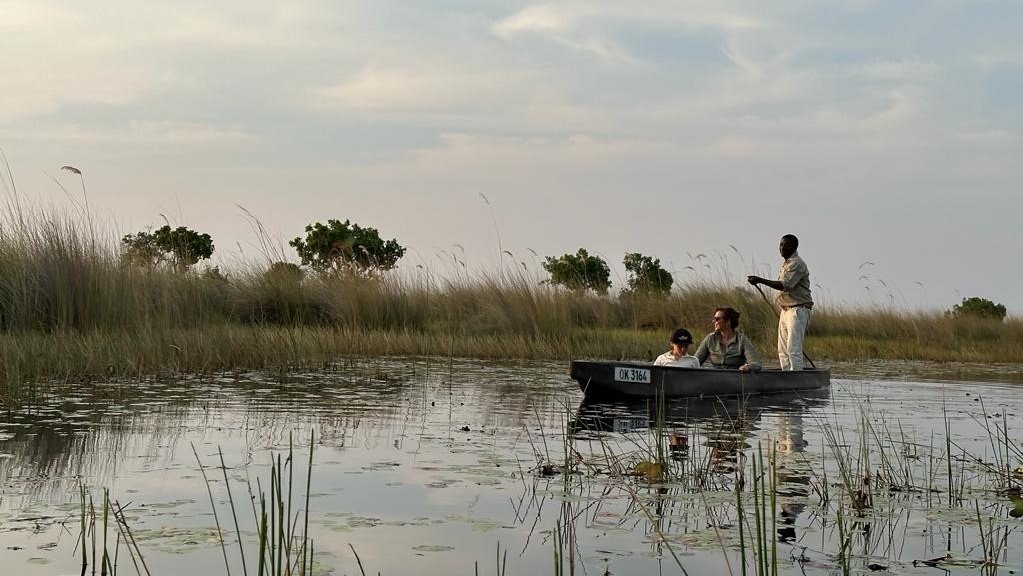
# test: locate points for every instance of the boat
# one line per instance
(644, 380)
(629, 413)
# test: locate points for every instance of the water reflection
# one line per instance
(605, 414)
(792, 473)
(96, 432)
(726, 416)
(432, 464)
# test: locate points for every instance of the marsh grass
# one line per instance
(93, 542)
(70, 308)
(283, 542)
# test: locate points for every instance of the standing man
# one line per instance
(793, 286)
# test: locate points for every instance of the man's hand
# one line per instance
(754, 280)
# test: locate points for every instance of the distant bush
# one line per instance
(344, 248)
(979, 308)
(579, 272)
(646, 275)
(181, 247)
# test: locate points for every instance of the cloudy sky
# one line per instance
(886, 135)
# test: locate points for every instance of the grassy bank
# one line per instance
(70, 309)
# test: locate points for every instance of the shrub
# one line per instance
(345, 248)
(979, 308)
(181, 247)
(579, 272)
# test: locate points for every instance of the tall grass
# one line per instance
(70, 309)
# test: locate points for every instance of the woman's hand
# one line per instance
(744, 368)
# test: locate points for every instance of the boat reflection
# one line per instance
(618, 416)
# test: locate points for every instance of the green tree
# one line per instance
(979, 308)
(345, 248)
(179, 247)
(579, 271)
(646, 275)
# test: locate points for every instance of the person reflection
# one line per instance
(726, 439)
(678, 445)
(793, 479)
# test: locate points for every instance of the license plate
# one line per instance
(625, 374)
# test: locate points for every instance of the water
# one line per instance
(439, 466)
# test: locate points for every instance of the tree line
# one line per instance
(332, 248)
(345, 248)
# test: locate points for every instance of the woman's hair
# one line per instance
(732, 314)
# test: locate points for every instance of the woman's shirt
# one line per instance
(738, 352)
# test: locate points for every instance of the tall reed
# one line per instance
(89, 537)
(283, 542)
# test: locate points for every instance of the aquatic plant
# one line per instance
(86, 542)
(283, 548)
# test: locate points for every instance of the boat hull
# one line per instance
(644, 380)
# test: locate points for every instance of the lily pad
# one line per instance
(432, 548)
(178, 540)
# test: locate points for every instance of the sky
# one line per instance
(886, 135)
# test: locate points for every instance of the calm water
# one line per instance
(432, 466)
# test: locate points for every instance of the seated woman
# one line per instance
(726, 347)
(680, 341)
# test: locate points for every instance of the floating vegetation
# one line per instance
(177, 539)
(432, 548)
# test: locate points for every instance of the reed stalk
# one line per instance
(234, 511)
(92, 529)
(106, 508)
(134, 551)
(758, 512)
(277, 533)
(85, 554)
(741, 515)
(213, 507)
(307, 557)
(358, 560)
(948, 455)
